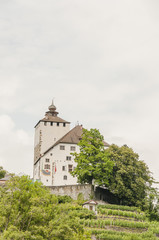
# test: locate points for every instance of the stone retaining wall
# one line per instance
(73, 190)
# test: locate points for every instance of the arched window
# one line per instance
(64, 177)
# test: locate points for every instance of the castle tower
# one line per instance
(48, 131)
(53, 147)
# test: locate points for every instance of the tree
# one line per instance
(29, 211)
(92, 161)
(2, 172)
(131, 179)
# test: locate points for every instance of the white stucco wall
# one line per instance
(49, 134)
(57, 159)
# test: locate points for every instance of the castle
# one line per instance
(53, 144)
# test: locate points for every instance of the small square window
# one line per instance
(50, 154)
(62, 147)
(72, 148)
(68, 158)
(47, 160)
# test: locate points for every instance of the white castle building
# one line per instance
(53, 144)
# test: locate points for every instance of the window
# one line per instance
(58, 123)
(64, 124)
(45, 123)
(47, 166)
(72, 148)
(91, 208)
(51, 123)
(70, 168)
(64, 177)
(47, 160)
(50, 154)
(62, 147)
(63, 168)
(68, 158)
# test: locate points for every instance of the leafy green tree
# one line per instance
(29, 211)
(2, 172)
(131, 179)
(93, 162)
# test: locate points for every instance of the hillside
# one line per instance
(29, 211)
(116, 222)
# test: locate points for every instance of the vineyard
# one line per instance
(115, 222)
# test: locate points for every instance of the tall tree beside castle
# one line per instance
(93, 162)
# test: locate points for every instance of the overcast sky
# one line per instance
(97, 58)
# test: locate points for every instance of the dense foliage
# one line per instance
(29, 211)
(131, 179)
(93, 161)
(2, 172)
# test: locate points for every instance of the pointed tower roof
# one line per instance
(52, 107)
(51, 115)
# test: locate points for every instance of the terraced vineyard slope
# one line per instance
(116, 222)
